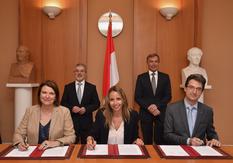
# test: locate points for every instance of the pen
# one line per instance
(92, 143)
(25, 141)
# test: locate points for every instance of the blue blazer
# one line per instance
(100, 132)
(176, 130)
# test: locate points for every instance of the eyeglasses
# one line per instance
(192, 88)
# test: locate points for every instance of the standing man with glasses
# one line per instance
(152, 93)
(82, 99)
(189, 121)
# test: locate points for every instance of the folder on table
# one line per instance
(190, 152)
(114, 151)
(34, 153)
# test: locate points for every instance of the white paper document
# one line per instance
(100, 149)
(55, 152)
(17, 153)
(173, 150)
(206, 151)
(129, 149)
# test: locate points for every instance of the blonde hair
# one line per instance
(108, 113)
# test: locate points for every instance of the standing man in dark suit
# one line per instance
(82, 99)
(189, 121)
(152, 93)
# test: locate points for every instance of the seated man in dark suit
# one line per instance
(189, 121)
(82, 99)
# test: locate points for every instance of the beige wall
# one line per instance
(217, 43)
(73, 37)
(8, 45)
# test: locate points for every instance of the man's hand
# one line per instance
(76, 109)
(196, 141)
(153, 109)
(82, 110)
(213, 142)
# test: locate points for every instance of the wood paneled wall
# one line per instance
(57, 45)
(72, 37)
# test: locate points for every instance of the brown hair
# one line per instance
(53, 85)
(197, 77)
(108, 113)
(152, 55)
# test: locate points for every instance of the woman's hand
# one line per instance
(49, 144)
(22, 146)
(139, 141)
(91, 143)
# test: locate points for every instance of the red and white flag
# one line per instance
(111, 76)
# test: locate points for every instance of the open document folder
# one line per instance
(114, 151)
(184, 151)
(33, 152)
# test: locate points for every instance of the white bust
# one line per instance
(194, 56)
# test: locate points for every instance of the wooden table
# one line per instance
(154, 158)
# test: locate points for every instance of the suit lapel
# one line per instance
(198, 119)
(74, 93)
(35, 123)
(158, 83)
(147, 77)
(184, 118)
(85, 90)
(53, 121)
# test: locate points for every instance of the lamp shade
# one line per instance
(52, 11)
(168, 12)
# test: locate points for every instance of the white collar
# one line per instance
(187, 105)
(150, 72)
(76, 82)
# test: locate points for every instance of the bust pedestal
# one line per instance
(23, 98)
(201, 98)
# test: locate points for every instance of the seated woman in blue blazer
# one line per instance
(116, 123)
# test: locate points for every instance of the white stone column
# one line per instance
(23, 98)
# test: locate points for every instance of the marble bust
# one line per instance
(194, 56)
(23, 70)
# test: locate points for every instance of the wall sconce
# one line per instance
(168, 12)
(52, 11)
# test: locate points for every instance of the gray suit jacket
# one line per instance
(176, 130)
